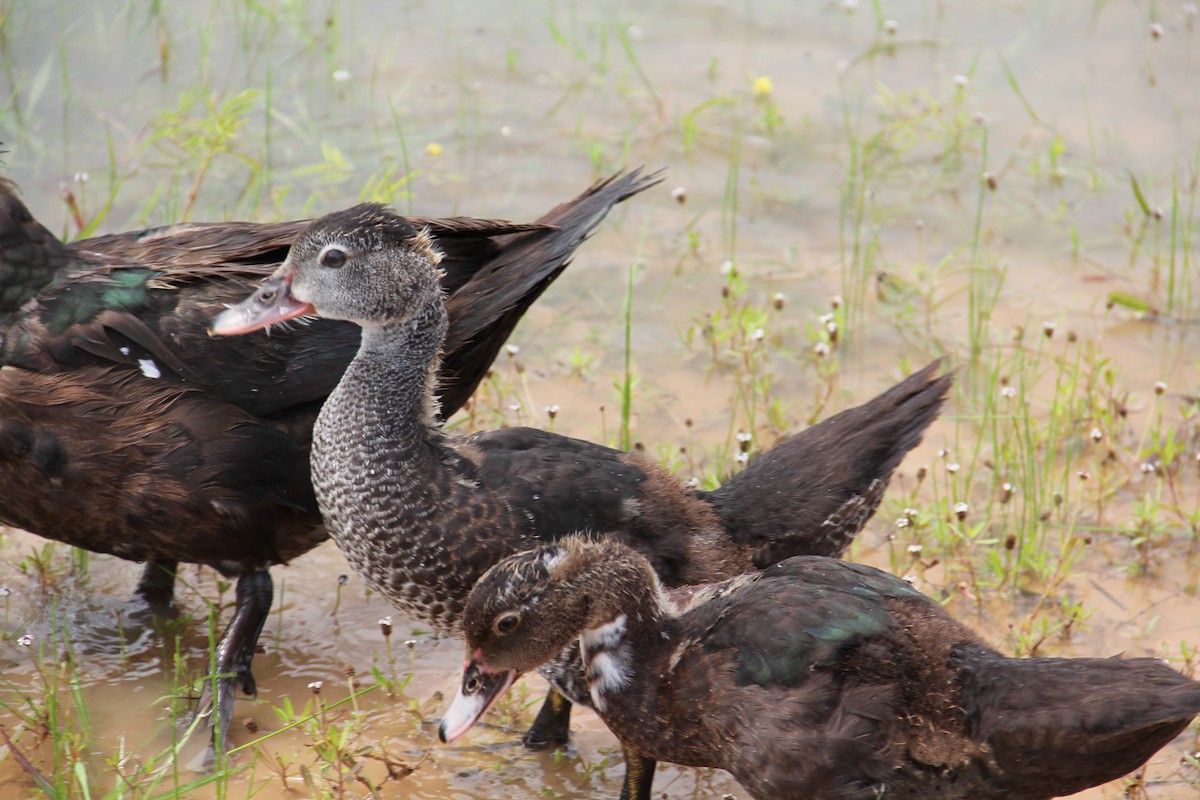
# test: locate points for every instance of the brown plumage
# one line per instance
(126, 429)
(816, 679)
(420, 515)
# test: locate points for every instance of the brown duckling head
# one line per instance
(526, 609)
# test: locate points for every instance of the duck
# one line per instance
(813, 679)
(126, 429)
(420, 514)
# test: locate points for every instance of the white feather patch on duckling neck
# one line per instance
(608, 660)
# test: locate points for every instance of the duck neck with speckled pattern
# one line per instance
(377, 455)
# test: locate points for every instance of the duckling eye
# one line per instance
(507, 622)
(333, 257)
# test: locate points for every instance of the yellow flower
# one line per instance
(433, 149)
(763, 86)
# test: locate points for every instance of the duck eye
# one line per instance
(333, 257)
(507, 622)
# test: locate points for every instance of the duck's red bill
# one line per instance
(479, 691)
(271, 303)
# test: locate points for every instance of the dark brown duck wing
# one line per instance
(254, 249)
(797, 618)
(1093, 719)
(502, 290)
(144, 300)
(812, 493)
(559, 484)
(764, 674)
(114, 462)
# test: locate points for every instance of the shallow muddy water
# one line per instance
(814, 150)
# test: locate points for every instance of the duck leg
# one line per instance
(639, 776)
(157, 585)
(235, 651)
(552, 726)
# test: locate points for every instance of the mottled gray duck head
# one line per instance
(365, 264)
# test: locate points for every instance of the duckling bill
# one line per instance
(815, 678)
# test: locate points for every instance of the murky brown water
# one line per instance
(529, 102)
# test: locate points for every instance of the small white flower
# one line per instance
(821, 349)
(1048, 328)
(742, 458)
(81, 177)
(961, 80)
(1146, 468)
(636, 33)
(726, 267)
(831, 327)
(961, 508)
(315, 686)
(943, 452)
(552, 410)
(691, 483)
(514, 407)
(744, 436)
(680, 194)
(850, 6)
(836, 301)
(506, 131)
(891, 26)
(5, 591)
(953, 466)
(758, 334)
(910, 578)
(1097, 434)
(341, 75)
(1160, 387)
(826, 318)
(25, 641)
(915, 549)
(512, 349)
(903, 522)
